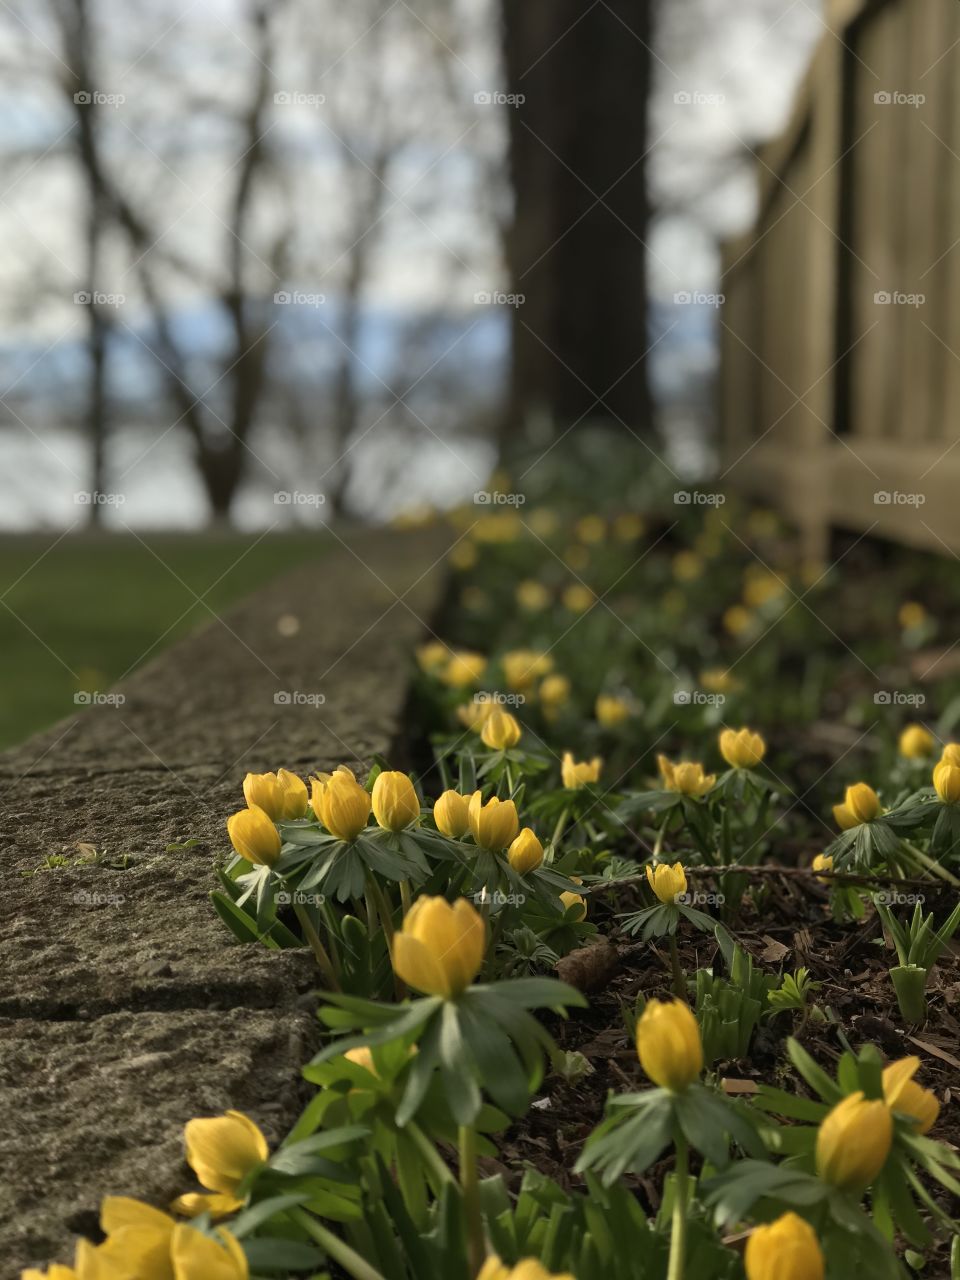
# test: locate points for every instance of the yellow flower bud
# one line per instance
(440, 948)
(591, 529)
(686, 777)
(254, 836)
(532, 595)
(916, 742)
(717, 680)
(860, 804)
(951, 754)
(526, 852)
(576, 773)
(523, 667)
(577, 598)
(432, 657)
(451, 814)
(555, 691)
(853, 1142)
(340, 803)
(737, 620)
(464, 668)
(911, 614)
(902, 1093)
(500, 730)
(571, 899)
(946, 781)
(494, 824)
(666, 882)
(668, 1044)
(138, 1238)
(741, 748)
(687, 566)
(611, 711)
(627, 527)
(223, 1150)
(263, 791)
(395, 803)
(786, 1249)
(294, 791)
(823, 862)
(473, 714)
(196, 1256)
(526, 1269)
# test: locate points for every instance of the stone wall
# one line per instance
(125, 1007)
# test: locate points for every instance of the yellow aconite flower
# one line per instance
(916, 742)
(668, 1044)
(687, 566)
(860, 804)
(737, 619)
(591, 529)
(717, 680)
(88, 1264)
(263, 791)
(576, 773)
(554, 691)
(741, 748)
(611, 711)
(853, 1142)
(196, 1256)
(432, 656)
(340, 803)
(946, 781)
(394, 801)
(464, 668)
(527, 1269)
(786, 1249)
(494, 824)
(762, 586)
(911, 614)
(577, 598)
(571, 899)
(222, 1151)
(543, 522)
(525, 852)
(473, 714)
(254, 836)
(902, 1093)
(523, 667)
(823, 862)
(451, 814)
(951, 754)
(439, 949)
(500, 730)
(686, 776)
(281, 795)
(666, 882)
(138, 1237)
(532, 595)
(627, 527)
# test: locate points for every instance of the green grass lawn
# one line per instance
(80, 612)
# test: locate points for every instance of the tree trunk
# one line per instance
(576, 248)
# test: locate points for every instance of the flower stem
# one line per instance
(470, 1188)
(406, 901)
(679, 981)
(431, 1157)
(336, 1248)
(931, 864)
(558, 830)
(678, 1229)
(317, 947)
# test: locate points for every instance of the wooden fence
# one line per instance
(840, 353)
